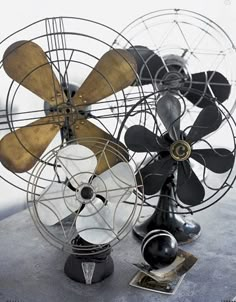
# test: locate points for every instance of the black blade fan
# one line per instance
(175, 149)
(200, 88)
(170, 171)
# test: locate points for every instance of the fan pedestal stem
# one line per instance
(164, 217)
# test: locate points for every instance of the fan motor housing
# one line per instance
(176, 72)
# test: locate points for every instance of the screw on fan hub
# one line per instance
(85, 193)
(67, 109)
(180, 150)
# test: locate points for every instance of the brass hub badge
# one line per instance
(180, 150)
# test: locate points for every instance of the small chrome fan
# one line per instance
(82, 212)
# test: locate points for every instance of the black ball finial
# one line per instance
(159, 248)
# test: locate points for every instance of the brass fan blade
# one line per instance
(26, 63)
(114, 71)
(85, 129)
(20, 149)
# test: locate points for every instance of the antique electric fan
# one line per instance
(170, 173)
(185, 63)
(67, 81)
(62, 147)
(82, 212)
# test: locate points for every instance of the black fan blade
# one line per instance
(149, 65)
(217, 160)
(169, 111)
(155, 174)
(189, 188)
(140, 139)
(208, 120)
(203, 84)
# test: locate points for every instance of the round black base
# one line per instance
(88, 270)
(182, 228)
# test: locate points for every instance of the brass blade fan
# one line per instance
(26, 63)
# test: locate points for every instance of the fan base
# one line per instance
(88, 270)
(182, 228)
(165, 217)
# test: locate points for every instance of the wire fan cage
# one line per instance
(187, 44)
(116, 187)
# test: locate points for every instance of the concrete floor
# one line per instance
(32, 271)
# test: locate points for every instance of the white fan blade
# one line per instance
(100, 224)
(56, 203)
(115, 184)
(78, 163)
